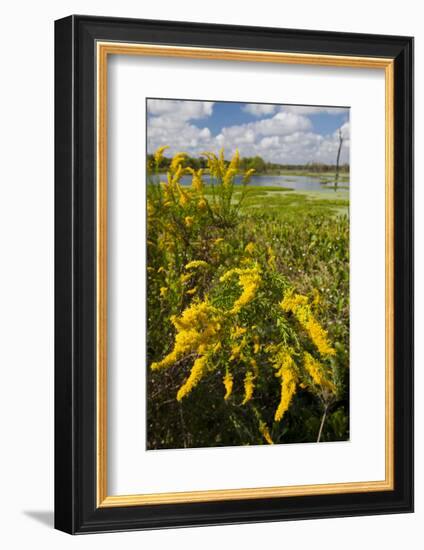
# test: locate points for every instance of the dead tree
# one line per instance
(338, 158)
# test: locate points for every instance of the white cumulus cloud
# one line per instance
(284, 135)
(259, 109)
(311, 110)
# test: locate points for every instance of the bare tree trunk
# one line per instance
(338, 158)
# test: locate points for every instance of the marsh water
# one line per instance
(299, 183)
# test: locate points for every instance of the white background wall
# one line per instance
(26, 272)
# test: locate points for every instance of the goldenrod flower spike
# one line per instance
(248, 175)
(263, 428)
(196, 180)
(248, 387)
(196, 263)
(250, 248)
(249, 280)
(228, 177)
(228, 384)
(196, 374)
(317, 373)
(299, 306)
(177, 160)
(188, 221)
(192, 291)
(158, 154)
(288, 390)
(235, 161)
(221, 162)
(197, 329)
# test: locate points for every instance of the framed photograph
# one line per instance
(234, 274)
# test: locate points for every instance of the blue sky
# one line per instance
(289, 134)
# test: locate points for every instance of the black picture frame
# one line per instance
(76, 509)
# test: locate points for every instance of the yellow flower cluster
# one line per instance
(263, 428)
(299, 306)
(247, 176)
(249, 386)
(271, 258)
(196, 263)
(218, 169)
(196, 374)
(317, 372)
(216, 165)
(250, 248)
(228, 384)
(286, 372)
(196, 180)
(158, 155)
(197, 329)
(189, 220)
(238, 331)
(249, 279)
(177, 161)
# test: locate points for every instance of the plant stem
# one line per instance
(183, 426)
(322, 423)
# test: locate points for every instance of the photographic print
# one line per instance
(247, 273)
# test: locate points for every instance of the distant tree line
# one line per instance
(257, 163)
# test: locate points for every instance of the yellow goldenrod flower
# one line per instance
(249, 280)
(163, 290)
(250, 248)
(150, 209)
(216, 347)
(228, 178)
(247, 175)
(299, 306)
(228, 384)
(238, 331)
(184, 198)
(161, 269)
(316, 300)
(196, 374)
(271, 258)
(177, 160)
(202, 204)
(196, 180)
(158, 154)
(282, 360)
(196, 263)
(235, 161)
(236, 350)
(185, 277)
(263, 428)
(256, 343)
(192, 291)
(319, 337)
(248, 387)
(197, 329)
(214, 165)
(221, 161)
(316, 372)
(189, 220)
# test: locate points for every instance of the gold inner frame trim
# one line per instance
(104, 49)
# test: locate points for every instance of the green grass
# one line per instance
(299, 203)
